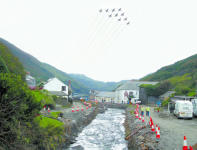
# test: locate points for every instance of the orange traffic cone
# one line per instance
(77, 108)
(81, 108)
(185, 144)
(158, 133)
(156, 129)
(49, 109)
(153, 128)
(190, 148)
(44, 108)
(86, 107)
(136, 116)
(150, 122)
(140, 117)
(73, 109)
(143, 119)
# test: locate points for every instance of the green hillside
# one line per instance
(10, 63)
(93, 84)
(188, 65)
(180, 76)
(30, 63)
(42, 71)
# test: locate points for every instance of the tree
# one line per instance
(18, 107)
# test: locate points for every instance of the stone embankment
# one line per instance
(138, 134)
(77, 120)
(115, 105)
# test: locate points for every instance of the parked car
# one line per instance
(183, 109)
(135, 101)
(194, 103)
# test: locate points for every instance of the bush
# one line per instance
(44, 97)
(18, 107)
(165, 102)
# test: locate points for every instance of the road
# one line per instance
(173, 131)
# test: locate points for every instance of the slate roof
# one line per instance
(134, 85)
(106, 94)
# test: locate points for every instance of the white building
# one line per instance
(105, 96)
(56, 87)
(130, 88)
(31, 81)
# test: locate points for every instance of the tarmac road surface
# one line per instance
(173, 130)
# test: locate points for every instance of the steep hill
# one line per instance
(180, 76)
(42, 72)
(10, 63)
(188, 65)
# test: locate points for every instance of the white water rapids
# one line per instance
(105, 132)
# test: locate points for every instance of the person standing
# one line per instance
(148, 111)
(142, 110)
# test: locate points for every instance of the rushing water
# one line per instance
(105, 132)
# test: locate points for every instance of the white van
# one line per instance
(194, 103)
(183, 109)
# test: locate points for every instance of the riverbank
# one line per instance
(138, 134)
(74, 122)
(105, 132)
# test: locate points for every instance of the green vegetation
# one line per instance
(3, 66)
(46, 122)
(18, 108)
(42, 72)
(44, 97)
(50, 132)
(188, 65)
(22, 126)
(180, 77)
(158, 89)
(165, 102)
(9, 62)
(55, 114)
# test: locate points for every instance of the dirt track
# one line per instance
(173, 131)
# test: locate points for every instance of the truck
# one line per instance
(194, 103)
(183, 109)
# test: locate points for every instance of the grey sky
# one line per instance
(62, 33)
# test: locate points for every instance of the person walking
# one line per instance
(148, 111)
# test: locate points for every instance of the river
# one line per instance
(105, 132)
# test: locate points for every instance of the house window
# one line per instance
(63, 88)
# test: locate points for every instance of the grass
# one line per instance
(55, 114)
(46, 122)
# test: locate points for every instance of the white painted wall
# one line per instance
(120, 95)
(55, 84)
